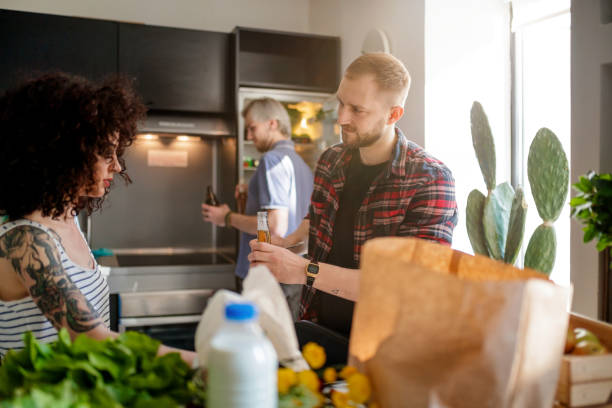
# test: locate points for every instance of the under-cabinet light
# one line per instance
(148, 136)
(185, 138)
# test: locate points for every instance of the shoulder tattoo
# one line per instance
(35, 258)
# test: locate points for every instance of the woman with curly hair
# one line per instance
(62, 139)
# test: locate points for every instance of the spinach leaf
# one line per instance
(124, 372)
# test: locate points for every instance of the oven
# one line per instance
(168, 316)
(163, 293)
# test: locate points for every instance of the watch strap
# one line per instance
(308, 290)
(310, 276)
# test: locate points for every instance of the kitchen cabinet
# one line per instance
(33, 42)
(281, 60)
(177, 69)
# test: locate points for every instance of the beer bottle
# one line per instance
(263, 232)
(242, 197)
(211, 198)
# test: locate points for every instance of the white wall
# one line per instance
(467, 59)
(591, 47)
(213, 15)
(403, 21)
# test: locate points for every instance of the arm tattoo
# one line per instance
(35, 257)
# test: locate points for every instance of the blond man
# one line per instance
(375, 183)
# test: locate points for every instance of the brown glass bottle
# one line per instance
(241, 198)
(211, 198)
(263, 232)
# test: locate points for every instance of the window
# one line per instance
(542, 89)
(468, 58)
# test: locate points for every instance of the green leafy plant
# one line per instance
(592, 206)
(89, 373)
(496, 222)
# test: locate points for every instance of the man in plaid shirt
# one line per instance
(375, 183)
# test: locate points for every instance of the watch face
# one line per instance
(313, 268)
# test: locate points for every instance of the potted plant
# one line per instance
(592, 206)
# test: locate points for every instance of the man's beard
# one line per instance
(264, 146)
(365, 139)
(262, 149)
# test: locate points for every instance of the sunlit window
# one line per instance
(542, 86)
(468, 58)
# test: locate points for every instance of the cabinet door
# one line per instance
(176, 69)
(32, 43)
(273, 59)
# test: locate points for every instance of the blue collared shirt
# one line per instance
(282, 180)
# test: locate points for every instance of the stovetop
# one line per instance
(125, 260)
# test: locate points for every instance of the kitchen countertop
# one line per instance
(130, 272)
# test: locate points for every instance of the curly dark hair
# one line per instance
(53, 129)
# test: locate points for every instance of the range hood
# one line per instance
(178, 123)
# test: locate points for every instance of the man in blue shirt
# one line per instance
(281, 185)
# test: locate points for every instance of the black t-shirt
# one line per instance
(332, 311)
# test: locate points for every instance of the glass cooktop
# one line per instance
(173, 259)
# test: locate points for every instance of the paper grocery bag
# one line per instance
(435, 327)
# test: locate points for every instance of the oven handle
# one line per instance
(128, 322)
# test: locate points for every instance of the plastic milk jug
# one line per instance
(242, 363)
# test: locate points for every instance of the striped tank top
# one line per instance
(20, 316)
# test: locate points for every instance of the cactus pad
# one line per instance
(541, 250)
(484, 145)
(516, 227)
(548, 173)
(473, 220)
(498, 205)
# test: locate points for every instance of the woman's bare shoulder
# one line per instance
(21, 248)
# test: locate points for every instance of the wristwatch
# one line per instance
(312, 269)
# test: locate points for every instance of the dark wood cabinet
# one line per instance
(32, 43)
(177, 69)
(281, 60)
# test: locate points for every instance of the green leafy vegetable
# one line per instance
(89, 373)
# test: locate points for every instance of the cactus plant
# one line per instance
(496, 223)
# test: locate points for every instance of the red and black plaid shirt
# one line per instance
(414, 196)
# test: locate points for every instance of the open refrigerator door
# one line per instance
(313, 126)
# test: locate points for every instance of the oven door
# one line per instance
(173, 331)
(171, 317)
